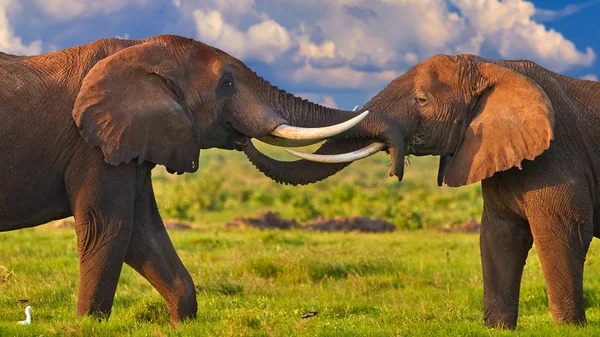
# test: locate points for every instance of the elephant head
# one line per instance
(163, 99)
(480, 116)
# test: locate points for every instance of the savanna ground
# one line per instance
(415, 281)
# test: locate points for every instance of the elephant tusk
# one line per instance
(298, 133)
(281, 142)
(342, 157)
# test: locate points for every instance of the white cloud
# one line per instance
(365, 43)
(9, 42)
(69, 9)
(328, 101)
(589, 77)
(551, 15)
(264, 41)
(341, 78)
(508, 27)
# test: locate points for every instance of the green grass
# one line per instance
(253, 283)
(412, 282)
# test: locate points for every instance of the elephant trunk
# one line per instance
(300, 112)
(303, 113)
(301, 172)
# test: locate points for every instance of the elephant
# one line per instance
(530, 135)
(82, 129)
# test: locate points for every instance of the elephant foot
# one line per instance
(570, 317)
(501, 321)
(184, 307)
(96, 313)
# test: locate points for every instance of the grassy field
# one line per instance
(412, 282)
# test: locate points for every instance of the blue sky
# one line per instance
(335, 52)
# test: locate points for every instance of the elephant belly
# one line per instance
(32, 185)
(28, 205)
(35, 147)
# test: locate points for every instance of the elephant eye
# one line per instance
(226, 82)
(421, 100)
(226, 85)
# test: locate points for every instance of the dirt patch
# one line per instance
(468, 226)
(266, 220)
(177, 225)
(351, 224)
(270, 220)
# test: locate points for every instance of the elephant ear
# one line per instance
(513, 121)
(130, 107)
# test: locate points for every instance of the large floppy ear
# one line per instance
(513, 121)
(130, 106)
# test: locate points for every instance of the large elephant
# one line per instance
(82, 128)
(531, 136)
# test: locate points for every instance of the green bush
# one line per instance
(228, 186)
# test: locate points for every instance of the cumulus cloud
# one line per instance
(341, 78)
(9, 42)
(509, 28)
(69, 9)
(264, 41)
(364, 43)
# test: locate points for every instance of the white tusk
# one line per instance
(294, 132)
(342, 157)
(355, 108)
(282, 142)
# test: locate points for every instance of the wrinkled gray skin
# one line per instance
(82, 128)
(532, 137)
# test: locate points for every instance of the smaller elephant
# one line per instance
(82, 128)
(531, 136)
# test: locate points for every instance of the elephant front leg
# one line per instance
(103, 209)
(152, 254)
(101, 258)
(562, 250)
(505, 241)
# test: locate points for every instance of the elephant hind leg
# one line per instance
(562, 230)
(562, 256)
(152, 254)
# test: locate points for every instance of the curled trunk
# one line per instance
(302, 113)
(302, 172)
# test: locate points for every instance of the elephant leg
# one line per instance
(102, 202)
(505, 242)
(152, 254)
(562, 246)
